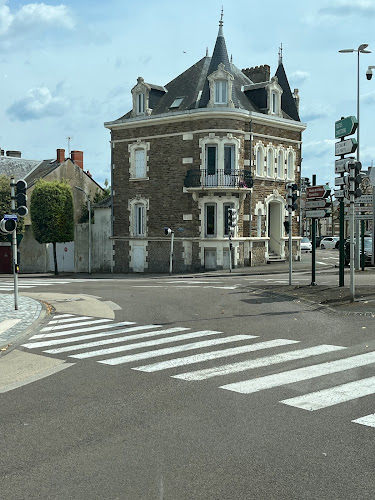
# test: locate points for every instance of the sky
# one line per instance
(66, 67)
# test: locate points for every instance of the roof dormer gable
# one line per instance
(220, 82)
(274, 93)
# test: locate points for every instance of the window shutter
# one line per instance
(140, 163)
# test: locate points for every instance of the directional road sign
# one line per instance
(346, 147)
(341, 193)
(359, 217)
(317, 214)
(340, 164)
(316, 203)
(341, 181)
(346, 126)
(316, 192)
(365, 198)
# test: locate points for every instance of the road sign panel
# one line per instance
(340, 164)
(365, 198)
(346, 126)
(346, 147)
(362, 209)
(341, 193)
(359, 217)
(317, 214)
(316, 203)
(316, 192)
(10, 216)
(341, 181)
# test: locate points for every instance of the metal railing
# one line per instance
(239, 178)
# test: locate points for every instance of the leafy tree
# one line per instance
(52, 213)
(99, 196)
(5, 205)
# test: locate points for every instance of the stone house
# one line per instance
(216, 137)
(36, 257)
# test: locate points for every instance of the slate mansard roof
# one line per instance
(193, 86)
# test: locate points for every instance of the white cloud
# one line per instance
(39, 103)
(33, 17)
(345, 8)
(299, 77)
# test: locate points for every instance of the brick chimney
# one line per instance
(258, 74)
(60, 157)
(14, 154)
(77, 157)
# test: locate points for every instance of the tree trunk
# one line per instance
(55, 258)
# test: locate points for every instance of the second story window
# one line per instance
(221, 92)
(228, 159)
(211, 159)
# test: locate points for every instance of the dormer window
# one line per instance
(221, 92)
(221, 87)
(274, 92)
(141, 98)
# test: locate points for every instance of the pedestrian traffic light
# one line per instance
(230, 218)
(8, 226)
(234, 217)
(286, 226)
(21, 198)
(167, 231)
(292, 196)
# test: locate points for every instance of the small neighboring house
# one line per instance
(214, 138)
(35, 257)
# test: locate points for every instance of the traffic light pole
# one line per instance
(313, 230)
(290, 245)
(351, 231)
(14, 243)
(230, 250)
(171, 255)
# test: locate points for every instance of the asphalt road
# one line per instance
(250, 426)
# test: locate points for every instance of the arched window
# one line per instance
(138, 160)
(270, 163)
(290, 165)
(280, 164)
(260, 160)
(138, 217)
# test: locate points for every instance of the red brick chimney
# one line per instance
(60, 158)
(77, 157)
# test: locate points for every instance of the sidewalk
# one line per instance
(16, 324)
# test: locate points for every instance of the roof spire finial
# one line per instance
(222, 15)
(281, 54)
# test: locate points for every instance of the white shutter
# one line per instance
(140, 163)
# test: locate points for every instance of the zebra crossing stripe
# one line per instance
(138, 345)
(34, 345)
(368, 420)
(289, 377)
(81, 330)
(334, 395)
(197, 358)
(59, 316)
(171, 350)
(60, 321)
(83, 323)
(257, 363)
(116, 340)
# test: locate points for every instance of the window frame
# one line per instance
(221, 92)
(214, 220)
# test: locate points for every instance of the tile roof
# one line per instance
(19, 168)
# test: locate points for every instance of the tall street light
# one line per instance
(361, 50)
(89, 209)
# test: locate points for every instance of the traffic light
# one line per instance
(234, 217)
(21, 198)
(286, 226)
(8, 226)
(292, 197)
(167, 231)
(230, 218)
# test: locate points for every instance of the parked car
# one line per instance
(367, 251)
(306, 245)
(329, 242)
(318, 239)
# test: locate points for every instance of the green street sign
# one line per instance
(345, 126)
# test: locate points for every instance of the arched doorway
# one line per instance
(275, 243)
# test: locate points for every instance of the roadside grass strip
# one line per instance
(299, 374)
(98, 343)
(171, 350)
(197, 358)
(140, 345)
(333, 396)
(257, 363)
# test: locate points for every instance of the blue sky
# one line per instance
(68, 67)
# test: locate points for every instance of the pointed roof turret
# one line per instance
(288, 103)
(220, 54)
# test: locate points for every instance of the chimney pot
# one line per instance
(60, 157)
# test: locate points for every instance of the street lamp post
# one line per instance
(361, 50)
(89, 210)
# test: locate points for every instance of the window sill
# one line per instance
(136, 179)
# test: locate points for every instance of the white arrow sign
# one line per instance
(316, 203)
(345, 147)
(317, 214)
(365, 198)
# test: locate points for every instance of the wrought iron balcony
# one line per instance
(239, 179)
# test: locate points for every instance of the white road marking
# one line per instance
(59, 321)
(5, 324)
(139, 345)
(368, 420)
(59, 316)
(116, 340)
(333, 396)
(289, 377)
(170, 350)
(83, 323)
(34, 345)
(197, 358)
(257, 363)
(81, 330)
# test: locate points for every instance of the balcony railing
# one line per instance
(197, 178)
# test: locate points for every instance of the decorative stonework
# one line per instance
(220, 74)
